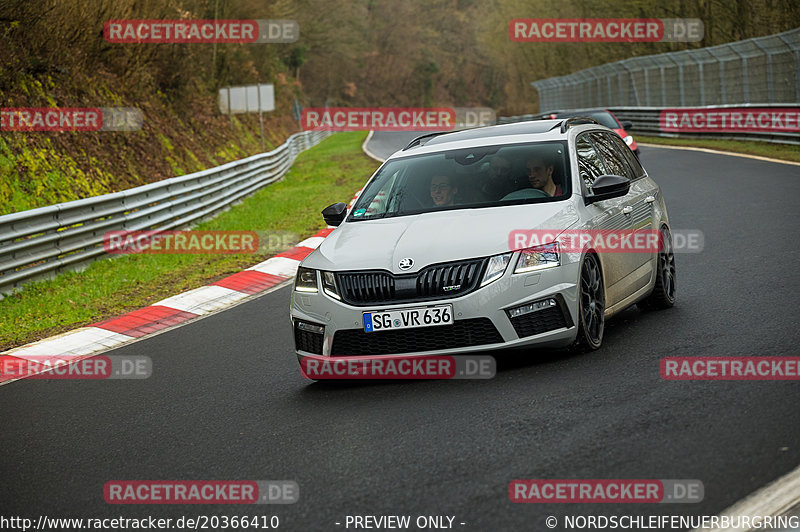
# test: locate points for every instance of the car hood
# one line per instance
(434, 237)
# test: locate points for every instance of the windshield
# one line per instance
(604, 117)
(467, 178)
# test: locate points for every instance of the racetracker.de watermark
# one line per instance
(605, 491)
(606, 240)
(180, 242)
(96, 367)
(757, 368)
(378, 118)
(730, 120)
(606, 30)
(201, 31)
(201, 492)
(70, 119)
(399, 367)
(395, 118)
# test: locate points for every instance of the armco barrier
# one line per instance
(645, 120)
(41, 242)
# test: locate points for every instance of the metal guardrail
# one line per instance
(42, 242)
(645, 120)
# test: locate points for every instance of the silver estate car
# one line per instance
(457, 244)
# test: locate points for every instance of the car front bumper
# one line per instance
(481, 319)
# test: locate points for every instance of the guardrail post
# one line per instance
(745, 74)
(573, 92)
(796, 49)
(597, 80)
(701, 77)
(585, 90)
(770, 91)
(680, 78)
(619, 88)
(721, 62)
(633, 84)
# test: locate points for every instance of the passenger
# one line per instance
(443, 191)
(540, 175)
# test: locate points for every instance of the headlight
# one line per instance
(538, 258)
(306, 280)
(628, 140)
(496, 268)
(329, 285)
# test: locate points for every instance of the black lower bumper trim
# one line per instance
(462, 333)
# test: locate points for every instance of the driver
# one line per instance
(443, 191)
(540, 175)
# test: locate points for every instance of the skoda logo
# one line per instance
(406, 264)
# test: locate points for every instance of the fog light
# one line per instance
(310, 327)
(532, 307)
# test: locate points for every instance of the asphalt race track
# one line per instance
(226, 399)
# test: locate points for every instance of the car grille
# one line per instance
(541, 321)
(438, 281)
(307, 340)
(462, 333)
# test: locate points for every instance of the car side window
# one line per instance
(612, 155)
(590, 167)
(633, 161)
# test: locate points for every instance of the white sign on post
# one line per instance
(247, 99)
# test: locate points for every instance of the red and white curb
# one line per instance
(107, 334)
(104, 335)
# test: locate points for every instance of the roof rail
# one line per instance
(577, 121)
(419, 140)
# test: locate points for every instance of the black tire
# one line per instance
(591, 306)
(663, 294)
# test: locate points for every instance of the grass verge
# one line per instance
(330, 172)
(785, 152)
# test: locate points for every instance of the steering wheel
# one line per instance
(525, 193)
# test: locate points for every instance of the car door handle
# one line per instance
(649, 199)
(627, 210)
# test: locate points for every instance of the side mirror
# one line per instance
(334, 214)
(627, 125)
(607, 187)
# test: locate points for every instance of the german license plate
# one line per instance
(391, 320)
